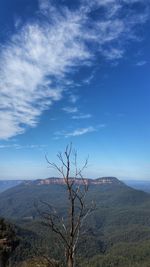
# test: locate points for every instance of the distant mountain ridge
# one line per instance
(78, 181)
(143, 185)
(19, 201)
(6, 184)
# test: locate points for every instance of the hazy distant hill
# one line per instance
(6, 184)
(139, 184)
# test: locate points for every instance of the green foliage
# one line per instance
(124, 255)
(117, 233)
(37, 262)
(8, 241)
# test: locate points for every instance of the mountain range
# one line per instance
(120, 222)
(19, 201)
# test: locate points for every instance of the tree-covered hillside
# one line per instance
(116, 234)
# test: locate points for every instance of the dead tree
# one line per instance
(68, 229)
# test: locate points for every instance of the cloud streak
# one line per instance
(17, 146)
(79, 131)
(70, 109)
(141, 63)
(81, 116)
(36, 61)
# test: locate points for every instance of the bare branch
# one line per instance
(68, 230)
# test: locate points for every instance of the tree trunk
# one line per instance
(70, 261)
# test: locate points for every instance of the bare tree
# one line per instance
(68, 230)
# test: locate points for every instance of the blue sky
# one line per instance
(75, 71)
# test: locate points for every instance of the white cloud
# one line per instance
(70, 109)
(36, 62)
(29, 63)
(81, 131)
(113, 53)
(18, 146)
(81, 116)
(78, 131)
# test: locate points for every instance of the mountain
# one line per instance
(6, 184)
(121, 218)
(19, 202)
(78, 181)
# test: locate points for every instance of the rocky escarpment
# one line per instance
(79, 181)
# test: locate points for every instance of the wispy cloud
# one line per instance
(81, 116)
(36, 61)
(73, 98)
(81, 131)
(86, 130)
(89, 79)
(18, 146)
(113, 53)
(141, 63)
(70, 109)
